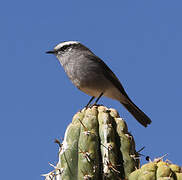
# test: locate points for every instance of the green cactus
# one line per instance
(158, 170)
(96, 146)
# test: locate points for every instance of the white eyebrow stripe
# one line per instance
(60, 45)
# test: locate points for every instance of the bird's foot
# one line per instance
(92, 105)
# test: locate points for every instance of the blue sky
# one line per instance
(141, 42)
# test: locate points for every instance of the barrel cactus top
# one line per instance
(157, 170)
(97, 145)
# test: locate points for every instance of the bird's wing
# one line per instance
(108, 74)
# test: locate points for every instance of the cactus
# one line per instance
(96, 146)
(157, 170)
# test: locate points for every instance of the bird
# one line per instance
(92, 76)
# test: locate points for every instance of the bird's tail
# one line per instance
(139, 115)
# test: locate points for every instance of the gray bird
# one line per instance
(92, 76)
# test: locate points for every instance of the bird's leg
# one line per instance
(98, 98)
(89, 102)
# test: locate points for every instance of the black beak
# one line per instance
(50, 52)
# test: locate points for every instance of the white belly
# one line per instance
(110, 92)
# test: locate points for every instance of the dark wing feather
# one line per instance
(108, 74)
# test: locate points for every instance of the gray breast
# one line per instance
(81, 70)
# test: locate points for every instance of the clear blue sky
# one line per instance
(140, 40)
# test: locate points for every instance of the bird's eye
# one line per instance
(64, 48)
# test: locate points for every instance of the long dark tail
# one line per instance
(139, 115)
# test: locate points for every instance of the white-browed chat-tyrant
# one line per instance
(92, 76)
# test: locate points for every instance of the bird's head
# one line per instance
(65, 47)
